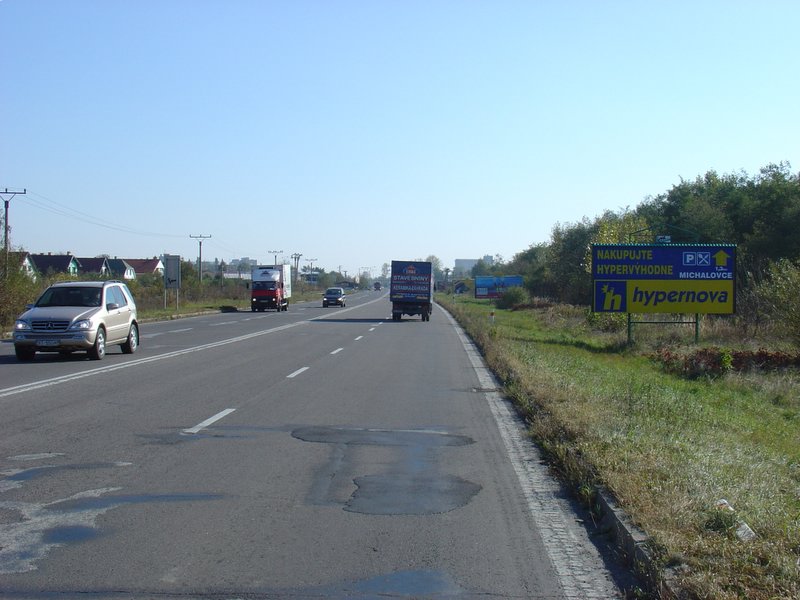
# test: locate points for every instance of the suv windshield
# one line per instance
(73, 296)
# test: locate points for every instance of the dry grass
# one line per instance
(668, 448)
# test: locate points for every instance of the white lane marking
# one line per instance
(337, 351)
(209, 421)
(158, 333)
(296, 373)
(27, 387)
(224, 323)
(372, 329)
(18, 389)
(358, 338)
(570, 550)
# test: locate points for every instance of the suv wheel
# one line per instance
(132, 343)
(98, 351)
(24, 354)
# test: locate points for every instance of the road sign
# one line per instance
(172, 272)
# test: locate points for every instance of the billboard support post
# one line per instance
(696, 324)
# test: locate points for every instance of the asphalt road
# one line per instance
(315, 453)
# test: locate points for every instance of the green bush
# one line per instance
(781, 292)
(512, 297)
(16, 290)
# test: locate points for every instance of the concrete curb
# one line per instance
(633, 545)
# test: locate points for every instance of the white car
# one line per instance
(78, 315)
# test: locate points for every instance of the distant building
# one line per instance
(146, 266)
(245, 263)
(23, 260)
(464, 266)
(120, 269)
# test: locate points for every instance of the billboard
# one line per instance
(493, 287)
(673, 278)
(172, 272)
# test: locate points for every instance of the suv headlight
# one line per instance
(82, 325)
(20, 325)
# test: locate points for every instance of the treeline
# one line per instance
(761, 214)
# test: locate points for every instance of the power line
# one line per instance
(43, 203)
(38, 201)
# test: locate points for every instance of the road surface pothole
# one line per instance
(401, 584)
(381, 437)
(404, 494)
(412, 484)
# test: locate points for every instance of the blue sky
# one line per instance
(357, 132)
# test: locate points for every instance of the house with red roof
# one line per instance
(146, 266)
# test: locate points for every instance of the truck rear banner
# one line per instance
(411, 281)
(493, 287)
(411, 289)
(669, 278)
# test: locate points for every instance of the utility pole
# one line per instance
(275, 252)
(200, 239)
(311, 270)
(6, 243)
(296, 258)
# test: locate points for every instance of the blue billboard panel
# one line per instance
(493, 287)
(678, 278)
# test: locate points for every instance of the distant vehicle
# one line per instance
(377, 286)
(333, 296)
(78, 316)
(271, 287)
(411, 289)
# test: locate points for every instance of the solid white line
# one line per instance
(208, 422)
(551, 513)
(344, 310)
(296, 373)
(337, 351)
(18, 389)
(27, 387)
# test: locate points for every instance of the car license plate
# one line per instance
(47, 343)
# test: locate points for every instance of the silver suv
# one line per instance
(80, 315)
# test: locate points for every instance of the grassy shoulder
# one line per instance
(669, 448)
